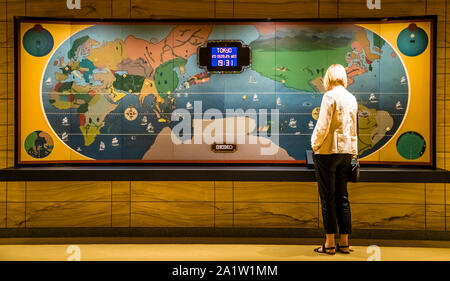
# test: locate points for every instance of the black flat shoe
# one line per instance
(338, 248)
(323, 250)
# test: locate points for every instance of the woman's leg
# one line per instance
(342, 202)
(325, 174)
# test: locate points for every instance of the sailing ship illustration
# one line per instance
(144, 121)
(278, 101)
(311, 125)
(293, 123)
(65, 121)
(255, 97)
(48, 82)
(399, 106)
(102, 146)
(150, 128)
(65, 136)
(373, 98)
(115, 142)
(188, 105)
(403, 80)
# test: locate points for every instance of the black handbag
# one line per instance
(353, 175)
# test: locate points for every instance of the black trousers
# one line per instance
(331, 174)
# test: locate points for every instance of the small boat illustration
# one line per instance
(65, 136)
(150, 128)
(403, 80)
(373, 98)
(278, 101)
(115, 142)
(311, 125)
(144, 121)
(399, 106)
(102, 146)
(188, 105)
(79, 149)
(255, 97)
(293, 123)
(48, 82)
(65, 121)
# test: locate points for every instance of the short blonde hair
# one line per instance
(336, 75)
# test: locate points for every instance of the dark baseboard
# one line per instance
(167, 232)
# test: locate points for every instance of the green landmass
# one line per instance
(129, 82)
(297, 68)
(77, 43)
(66, 86)
(166, 79)
(378, 41)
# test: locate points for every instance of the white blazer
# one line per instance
(336, 128)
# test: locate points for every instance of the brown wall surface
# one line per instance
(394, 206)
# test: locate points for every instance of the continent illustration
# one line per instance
(110, 92)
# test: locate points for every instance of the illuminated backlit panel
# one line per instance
(218, 91)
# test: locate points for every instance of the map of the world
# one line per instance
(109, 91)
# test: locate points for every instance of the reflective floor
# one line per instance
(138, 250)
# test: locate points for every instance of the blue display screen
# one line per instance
(224, 56)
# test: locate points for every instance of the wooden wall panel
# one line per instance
(3, 60)
(140, 204)
(3, 35)
(121, 191)
(15, 215)
(394, 193)
(3, 86)
(388, 216)
(275, 192)
(10, 60)
(435, 217)
(276, 215)
(68, 191)
(2, 10)
(224, 9)
(435, 193)
(2, 214)
(121, 9)
(3, 137)
(172, 9)
(172, 214)
(223, 191)
(89, 9)
(10, 85)
(172, 191)
(328, 8)
(15, 191)
(17, 8)
(2, 191)
(437, 7)
(223, 214)
(389, 8)
(10, 138)
(276, 9)
(68, 214)
(9, 34)
(120, 214)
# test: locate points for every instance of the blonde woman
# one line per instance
(334, 142)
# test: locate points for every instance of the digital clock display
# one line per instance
(224, 56)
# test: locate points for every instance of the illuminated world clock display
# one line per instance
(224, 56)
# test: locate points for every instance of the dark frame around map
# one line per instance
(17, 68)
